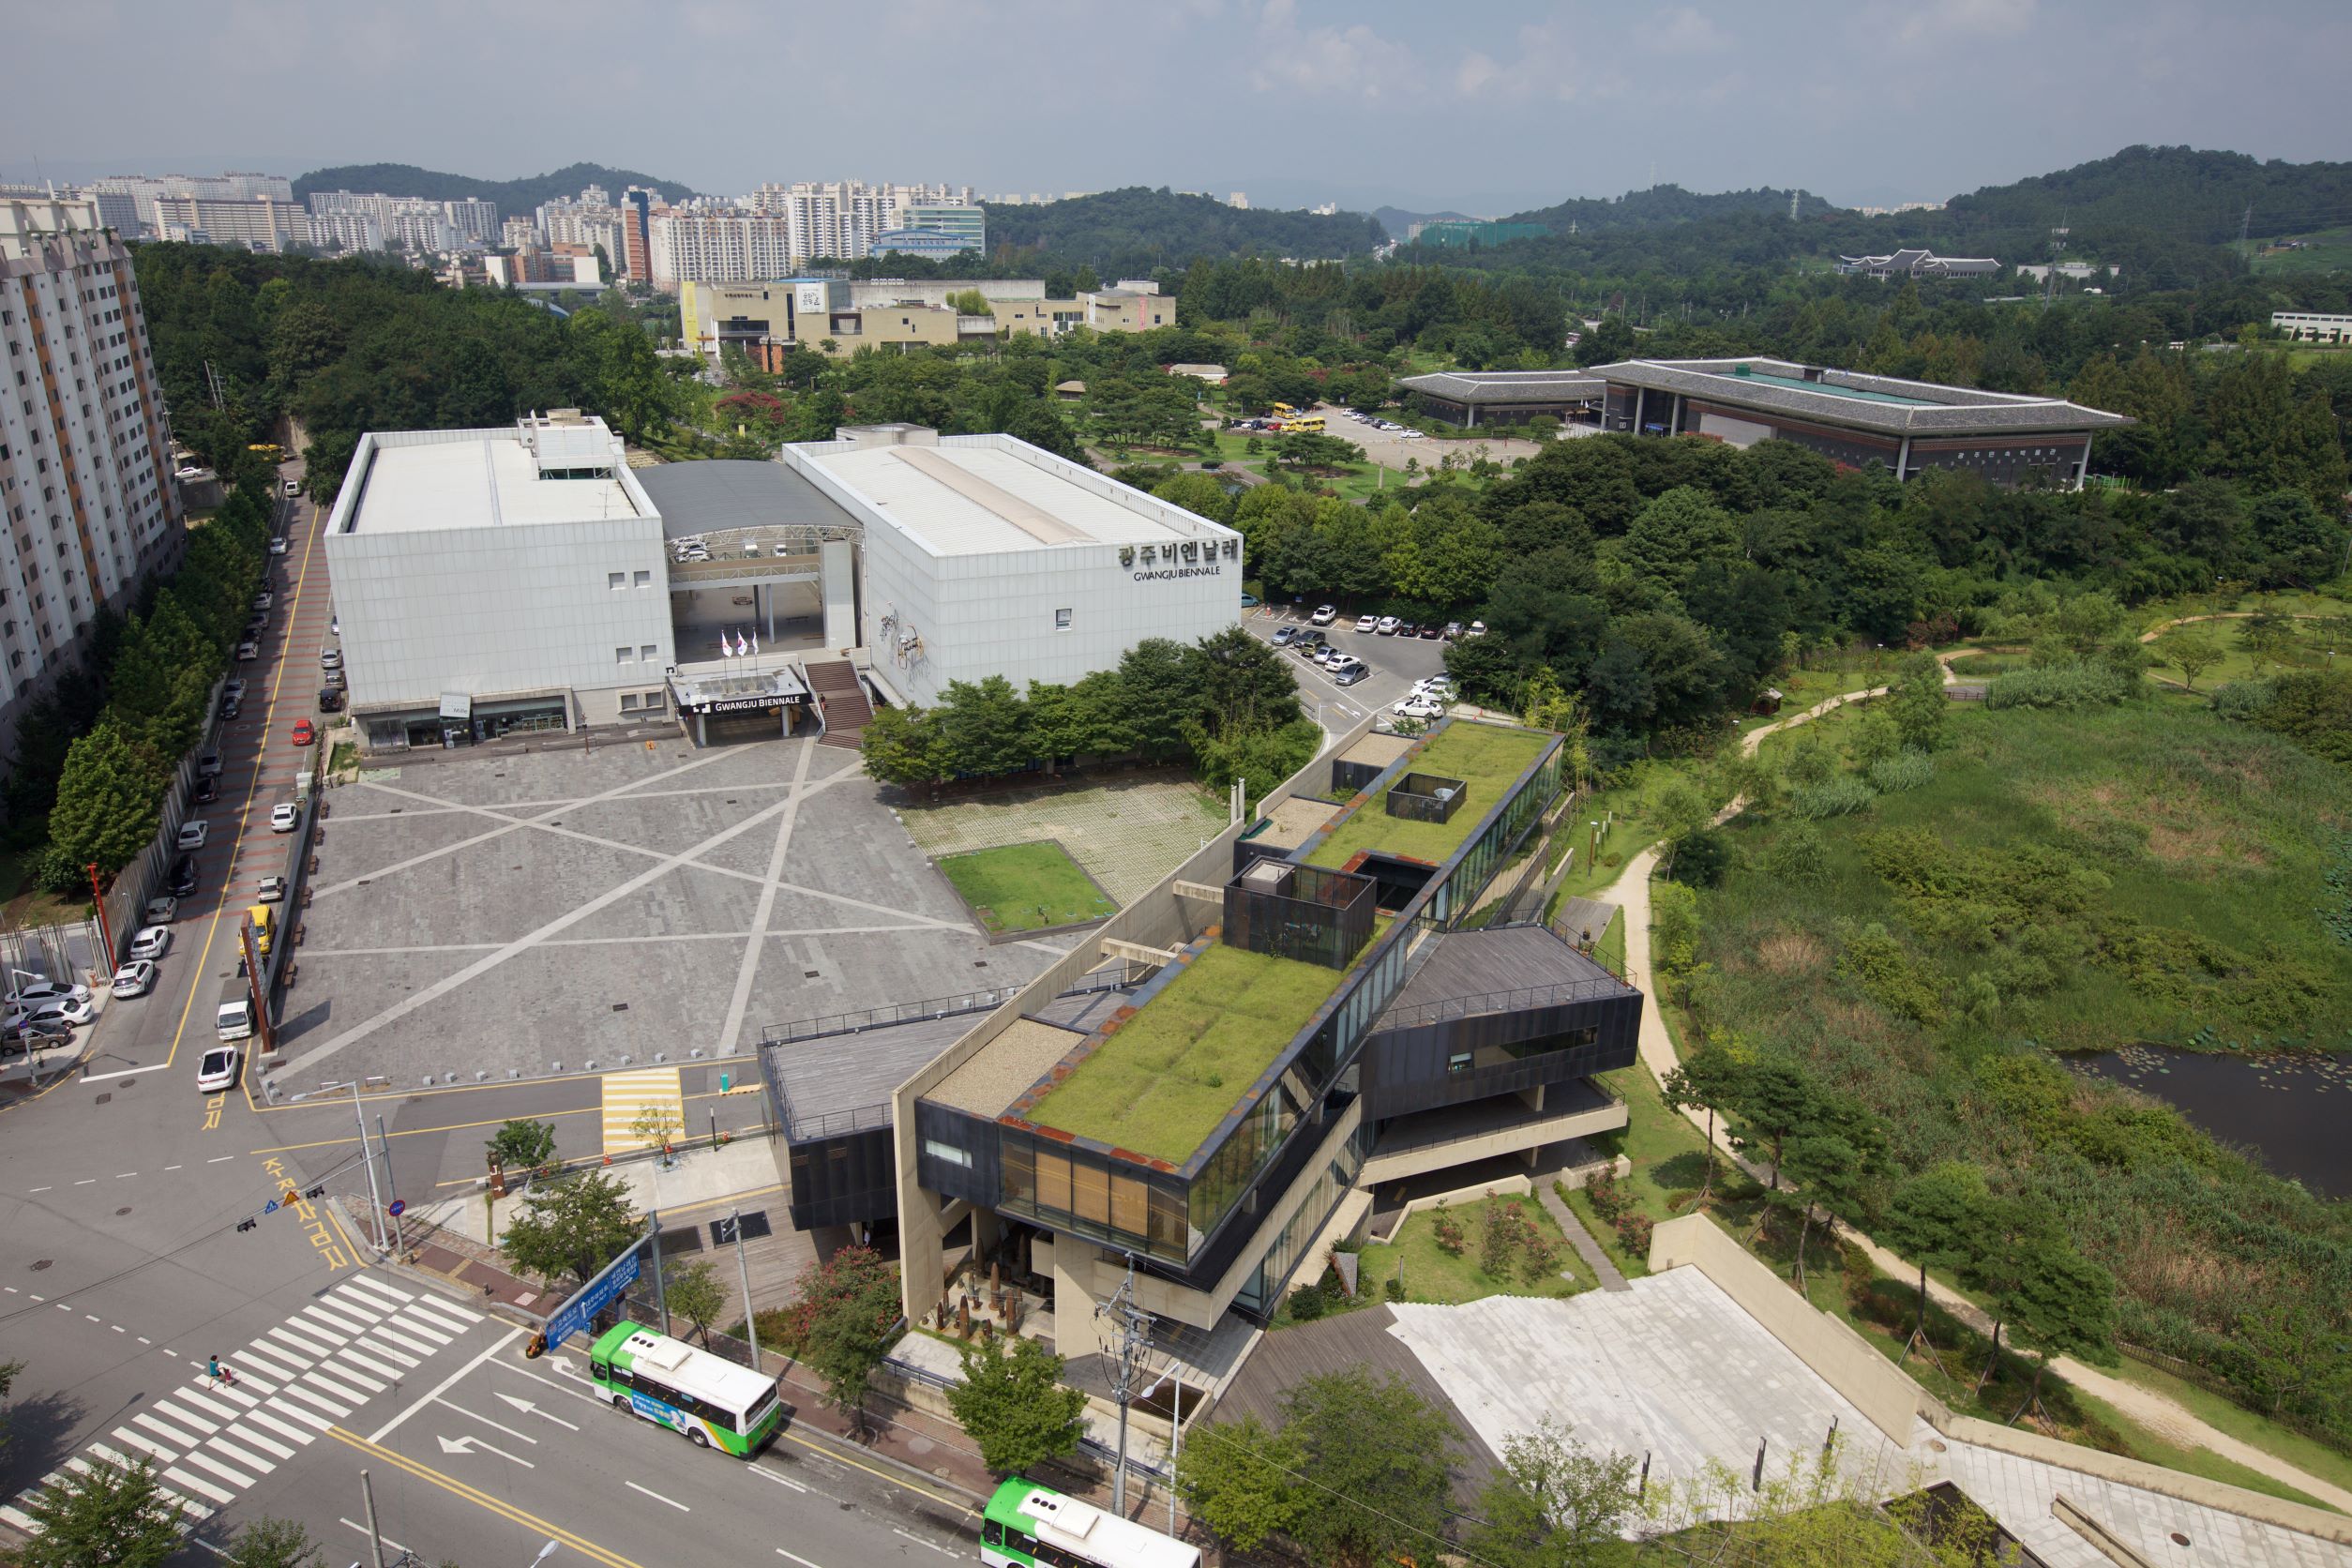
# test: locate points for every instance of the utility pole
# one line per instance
(1135, 1325)
(742, 1272)
(392, 1194)
(366, 1154)
(375, 1541)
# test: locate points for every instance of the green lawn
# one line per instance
(1434, 1274)
(25, 903)
(1487, 757)
(1026, 887)
(1162, 1082)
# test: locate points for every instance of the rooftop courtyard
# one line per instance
(1160, 1084)
(1486, 757)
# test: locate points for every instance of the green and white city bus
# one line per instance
(1028, 1524)
(714, 1402)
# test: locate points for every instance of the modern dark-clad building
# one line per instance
(1856, 419)
(1304, 1024)
(1475, 398)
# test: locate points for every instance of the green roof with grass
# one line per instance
(1163, 1082)
(1487, 757)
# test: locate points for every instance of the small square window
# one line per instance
(628, 701)
(1459, 1062)
(1061, 620)
(620, 656)
(647, 653)
(643, 580)
(655, 702)
(616, 579)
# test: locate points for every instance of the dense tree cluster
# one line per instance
(1131, 231)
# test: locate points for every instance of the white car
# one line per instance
(1387, 625)
(1419, 707)
(247, 651)
(283, 817)
(278, 546)
(61, 1009)
(331, 658)
(1477, 629)
(41, 988)
(151, 941)
(1366, 623)
(272, 889)
(264, 600)
(1324, 615)
(217, 1072)
(194, 833)
(135, 978)
(1440, 686)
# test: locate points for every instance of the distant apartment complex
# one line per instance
(766, 321)
(1915, 263)
(85, 476)
(125, 203)
(940, 231)
(344, 220)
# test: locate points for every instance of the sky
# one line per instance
(1487, 106)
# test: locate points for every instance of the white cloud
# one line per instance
(1948, 20)
(1354, 61)
(1684, 31)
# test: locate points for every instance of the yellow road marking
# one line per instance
(459, 1489)
(628, 1096)
(245, 812)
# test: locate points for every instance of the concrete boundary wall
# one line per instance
(1576, 1176)
(1886, 1394)
(1845, 1360)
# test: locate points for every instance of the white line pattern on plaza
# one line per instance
(212, 1439)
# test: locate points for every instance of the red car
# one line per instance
(303, 732)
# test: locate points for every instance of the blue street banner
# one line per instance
(592, 1298)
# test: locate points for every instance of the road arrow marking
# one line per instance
(527, 1408)
(467, 1445)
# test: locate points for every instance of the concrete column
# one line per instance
(767, 597)
(2082, 469)
(837, 581)
(1903, 460)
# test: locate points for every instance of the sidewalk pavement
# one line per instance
(1579, 1237)
(2170, 1419)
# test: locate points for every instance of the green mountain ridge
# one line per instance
(512, 196)
(1135, 229)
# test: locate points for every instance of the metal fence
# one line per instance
(61, 951)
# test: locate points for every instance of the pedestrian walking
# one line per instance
(219, 1373)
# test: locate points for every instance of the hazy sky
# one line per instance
(1486, 105)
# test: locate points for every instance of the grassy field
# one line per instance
(1169, 1074)
(2327, 250)
(1026, 887)
(2241, 1424)
(23, 901)
(1434, 1274)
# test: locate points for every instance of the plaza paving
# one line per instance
(547, 911)
(1126, 831)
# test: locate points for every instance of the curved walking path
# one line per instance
(2168, 1418)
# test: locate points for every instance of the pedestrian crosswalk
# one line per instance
(633, 1102)
(213, 1438)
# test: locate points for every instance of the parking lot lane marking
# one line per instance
(795, 1557)
(658, 1497)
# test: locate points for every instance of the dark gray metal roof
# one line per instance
(829, 1082)
(1507, 386)
(720, 494)
(1470, 968)
(1933, 410)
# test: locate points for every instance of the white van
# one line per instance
(235, 1022)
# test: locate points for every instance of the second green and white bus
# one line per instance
(1027, 1524)
(716, 1403)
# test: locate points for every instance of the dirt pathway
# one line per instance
(2165, 1417)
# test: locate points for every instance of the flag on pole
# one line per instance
(755, 641)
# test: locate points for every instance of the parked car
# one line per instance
(1327, 653)
(1249, 602)
(331, 658)
(216, 1073)
(63, 1009)
(1428, 631)
(278, 545)
(1355, 673)
(1324, 615)
(39, 988)
(1419, 707)
(194, 833)
(305, 732)
(283, 817)
(330, 699)
(247, 651)
(232, 709)
(184, 877)
(1407, 629)
(1366, 623)
(135, 978)
(272, 889)
(19, 1037)
(1283, 634)
(1386, 626)
(1477, 629)
(161, 911)
(234, 689)
(207, 790)
(265, 599)
(1441, 688)
(1452, 630)
(1305, 642)
(150, 942)
(333, 678)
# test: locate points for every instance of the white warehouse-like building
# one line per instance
(984, 555)
(494, 579)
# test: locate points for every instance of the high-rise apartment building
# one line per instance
(127, 202)
(263, 223)
(718, 247)
(86, 472)
(413, 223)
(636, 241)
(838, 220)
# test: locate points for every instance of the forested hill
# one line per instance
(1664, 204)
(2196, 195)
(1137, 229)
(512, 196)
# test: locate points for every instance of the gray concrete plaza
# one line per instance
(511, 911)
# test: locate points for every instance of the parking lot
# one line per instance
(538, 911)
(1391, 448)
(1397, 663)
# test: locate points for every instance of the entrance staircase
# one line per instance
(847, 710)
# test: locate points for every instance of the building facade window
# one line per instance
(1061, 620)
(616, 579)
